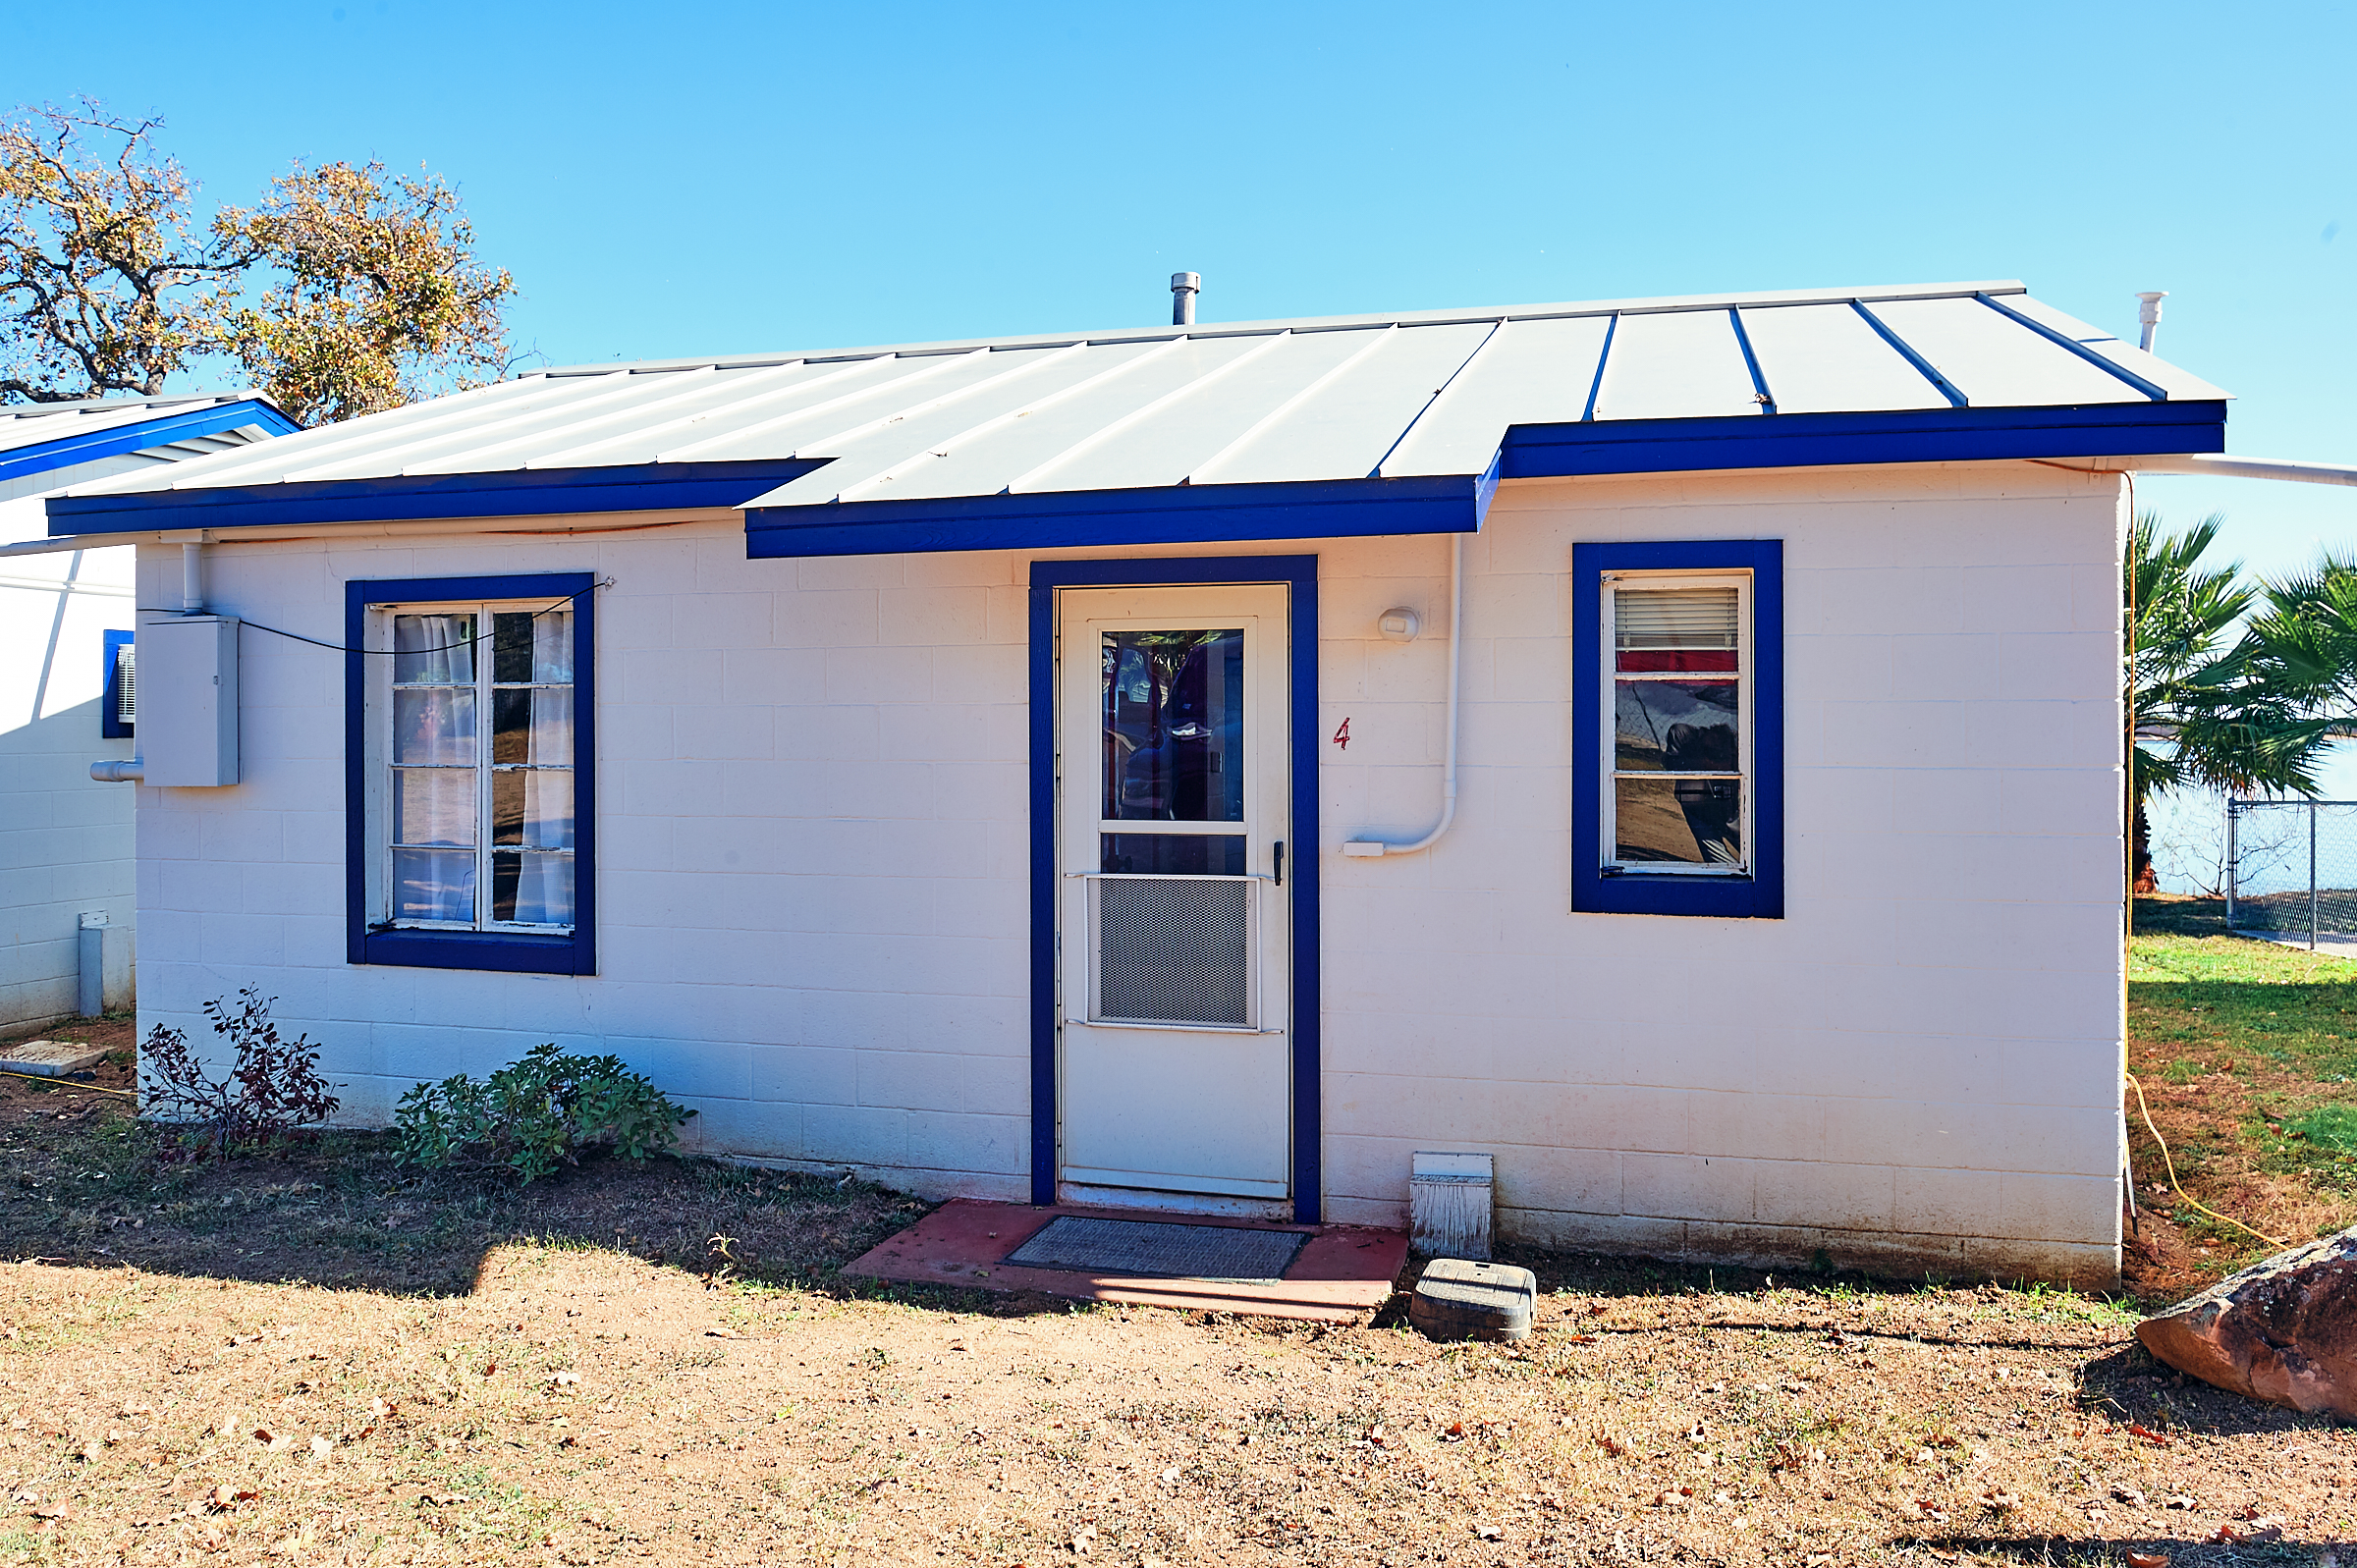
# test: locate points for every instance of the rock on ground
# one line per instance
(2284, 1329)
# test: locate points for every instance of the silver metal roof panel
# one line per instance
(1420, 395)
(1827, 358)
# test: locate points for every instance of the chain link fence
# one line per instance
(2291, 868)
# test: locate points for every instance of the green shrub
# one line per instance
(537, 1114)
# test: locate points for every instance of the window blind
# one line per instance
(1673, 618)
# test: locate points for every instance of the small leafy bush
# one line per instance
(537, 1114)
(273, 1084)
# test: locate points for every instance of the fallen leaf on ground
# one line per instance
(2148, 1559)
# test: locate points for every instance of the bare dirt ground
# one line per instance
(323, 1358)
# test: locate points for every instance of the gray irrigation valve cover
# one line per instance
(1461, 1299)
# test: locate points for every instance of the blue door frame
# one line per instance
(1299, 574)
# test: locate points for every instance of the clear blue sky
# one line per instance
(716, 178)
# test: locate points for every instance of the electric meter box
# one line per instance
(188, 701)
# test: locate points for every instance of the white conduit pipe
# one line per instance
(191, 577)
(1456, 644)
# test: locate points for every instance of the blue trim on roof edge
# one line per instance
(509, 951)
(1830, 440)
(1300, 573)
(524, 493)
(1183, 514)
(115, 439)
(1065, 519)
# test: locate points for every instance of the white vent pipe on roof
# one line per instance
(2149, 315)
(1184, 286)
(1457, 641)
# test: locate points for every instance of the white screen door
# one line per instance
(1173, 799)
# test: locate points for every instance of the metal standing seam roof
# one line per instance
(1424, 395)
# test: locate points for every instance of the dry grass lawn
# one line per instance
(326, 1359)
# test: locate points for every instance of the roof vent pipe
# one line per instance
(1184, 286)
(2148, 313)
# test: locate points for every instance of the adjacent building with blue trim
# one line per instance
(66, 684)
(1672, 746)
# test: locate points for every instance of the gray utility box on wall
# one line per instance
(188, 701)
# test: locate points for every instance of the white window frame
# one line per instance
(1746, 752)
(382, 769)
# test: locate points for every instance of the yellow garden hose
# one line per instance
(2171, 1164)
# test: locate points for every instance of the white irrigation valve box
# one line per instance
(188, 701)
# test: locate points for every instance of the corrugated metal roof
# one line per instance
(1418, 395)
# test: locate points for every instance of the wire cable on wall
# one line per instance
(337, 647)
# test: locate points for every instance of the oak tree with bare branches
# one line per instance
(344, 291)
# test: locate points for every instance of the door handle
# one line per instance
(1281, 862)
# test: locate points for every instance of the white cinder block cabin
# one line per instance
(1012, 767)
(65, 688)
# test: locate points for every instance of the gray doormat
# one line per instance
(1224, 1254)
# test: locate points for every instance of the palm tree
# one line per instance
(2208, 707)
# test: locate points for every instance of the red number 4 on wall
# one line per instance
(1342, 736)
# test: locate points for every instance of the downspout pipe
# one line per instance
(1369, 847)
(191, 576)
(2219, 466)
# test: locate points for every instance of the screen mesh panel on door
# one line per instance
(1174, 949)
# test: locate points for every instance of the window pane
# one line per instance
(1692, 822)
(1171, 854)
(533, 808)
(433, 885)
(512, 645)
(532, 724)
(433, 650)
(433, 806)
(1173, 710)
(1678, 726)
(531, 890)
(434, 725)
(530, 646)
(552, 647)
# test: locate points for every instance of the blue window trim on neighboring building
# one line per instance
(1760, 895)
(514, 952)
(110, 699)
(521, 493)
(115, 439)
(1300, 573)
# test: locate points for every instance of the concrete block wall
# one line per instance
(1918, 1068)
(810, 850)
(814, 892)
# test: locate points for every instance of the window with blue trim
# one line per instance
(472, 776)
(119, 702)
(1678, 710)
